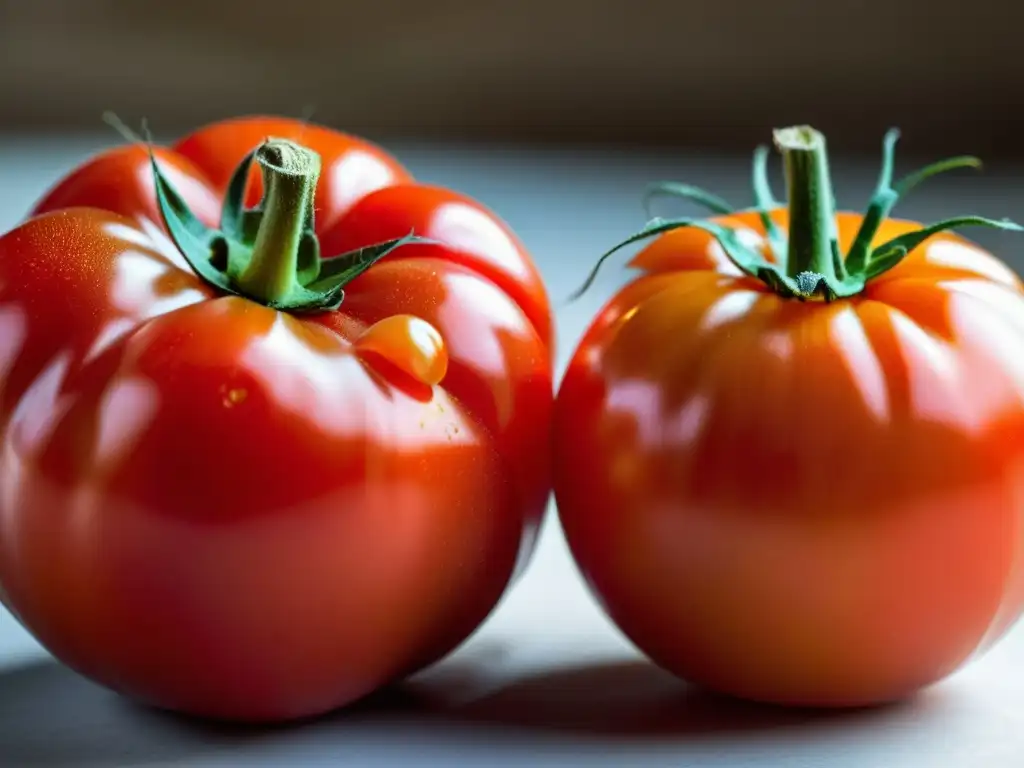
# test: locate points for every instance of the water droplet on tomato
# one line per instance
(410, 344)
(235, 397)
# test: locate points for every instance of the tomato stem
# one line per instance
(812, 243)
(809, 265)
(290, 175)
(270, 253)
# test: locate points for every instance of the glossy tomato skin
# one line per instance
(364, 196)
(466, 231)
(801, 503)
(234, 512)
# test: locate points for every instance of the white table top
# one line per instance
(547, 680)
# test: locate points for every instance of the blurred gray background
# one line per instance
(608, 71)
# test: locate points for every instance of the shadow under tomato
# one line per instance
(628, 700)
(49, 715)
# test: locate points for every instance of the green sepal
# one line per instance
(343, 269)
(884, 200)
(746, 260)
(883, 262)
(305, 300)
(236, 221)
(702, 197)
(327, 292)
(911, 180)
(233, 220)
(890, 253)
(309, 262)
(879, 207)
(878, 210)
(218, 257)
(764, 201)
(850, 274)
(198, 243)
(657, 226)
(240, 226)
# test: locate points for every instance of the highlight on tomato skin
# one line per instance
(410, 344)
(789, 453)
(244, 476)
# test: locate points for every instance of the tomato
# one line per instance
(247, 477)
(795, 478)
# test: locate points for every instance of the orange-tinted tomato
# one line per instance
(801, 502)
(236, 512)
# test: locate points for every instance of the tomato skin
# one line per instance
(465, 231)
(365, 196)
(121, 180)
(801, 503)
(237, 513)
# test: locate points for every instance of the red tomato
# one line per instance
(792, 500)
(236, 509)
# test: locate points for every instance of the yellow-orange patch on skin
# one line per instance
(409, 343)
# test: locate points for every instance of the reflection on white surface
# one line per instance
(186, 186)
(989, 321)
(779, 344)
(730, 307)
(472, 231)
(483, 350)
(640, 400)
(158, 240)
(963, 256)
(750, 238)
(865, 369)
(134, 290)
(12, 466)
(135, 274)
(686, 426)
(32, 423)
(479, 296)
(140, 238)
(41, 408)
(126, 409)
(993, 298)
(933, 375)
(721, 260)
(112, 332)
(13, 333)
(333, 390)
(425, 338)
(356, 174)
(305, 381)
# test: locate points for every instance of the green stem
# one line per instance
(290, 175)
(814, 267)
(811, 206)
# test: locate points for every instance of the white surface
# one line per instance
(547, 680)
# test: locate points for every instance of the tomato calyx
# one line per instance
(808, 264)
(269, 254)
